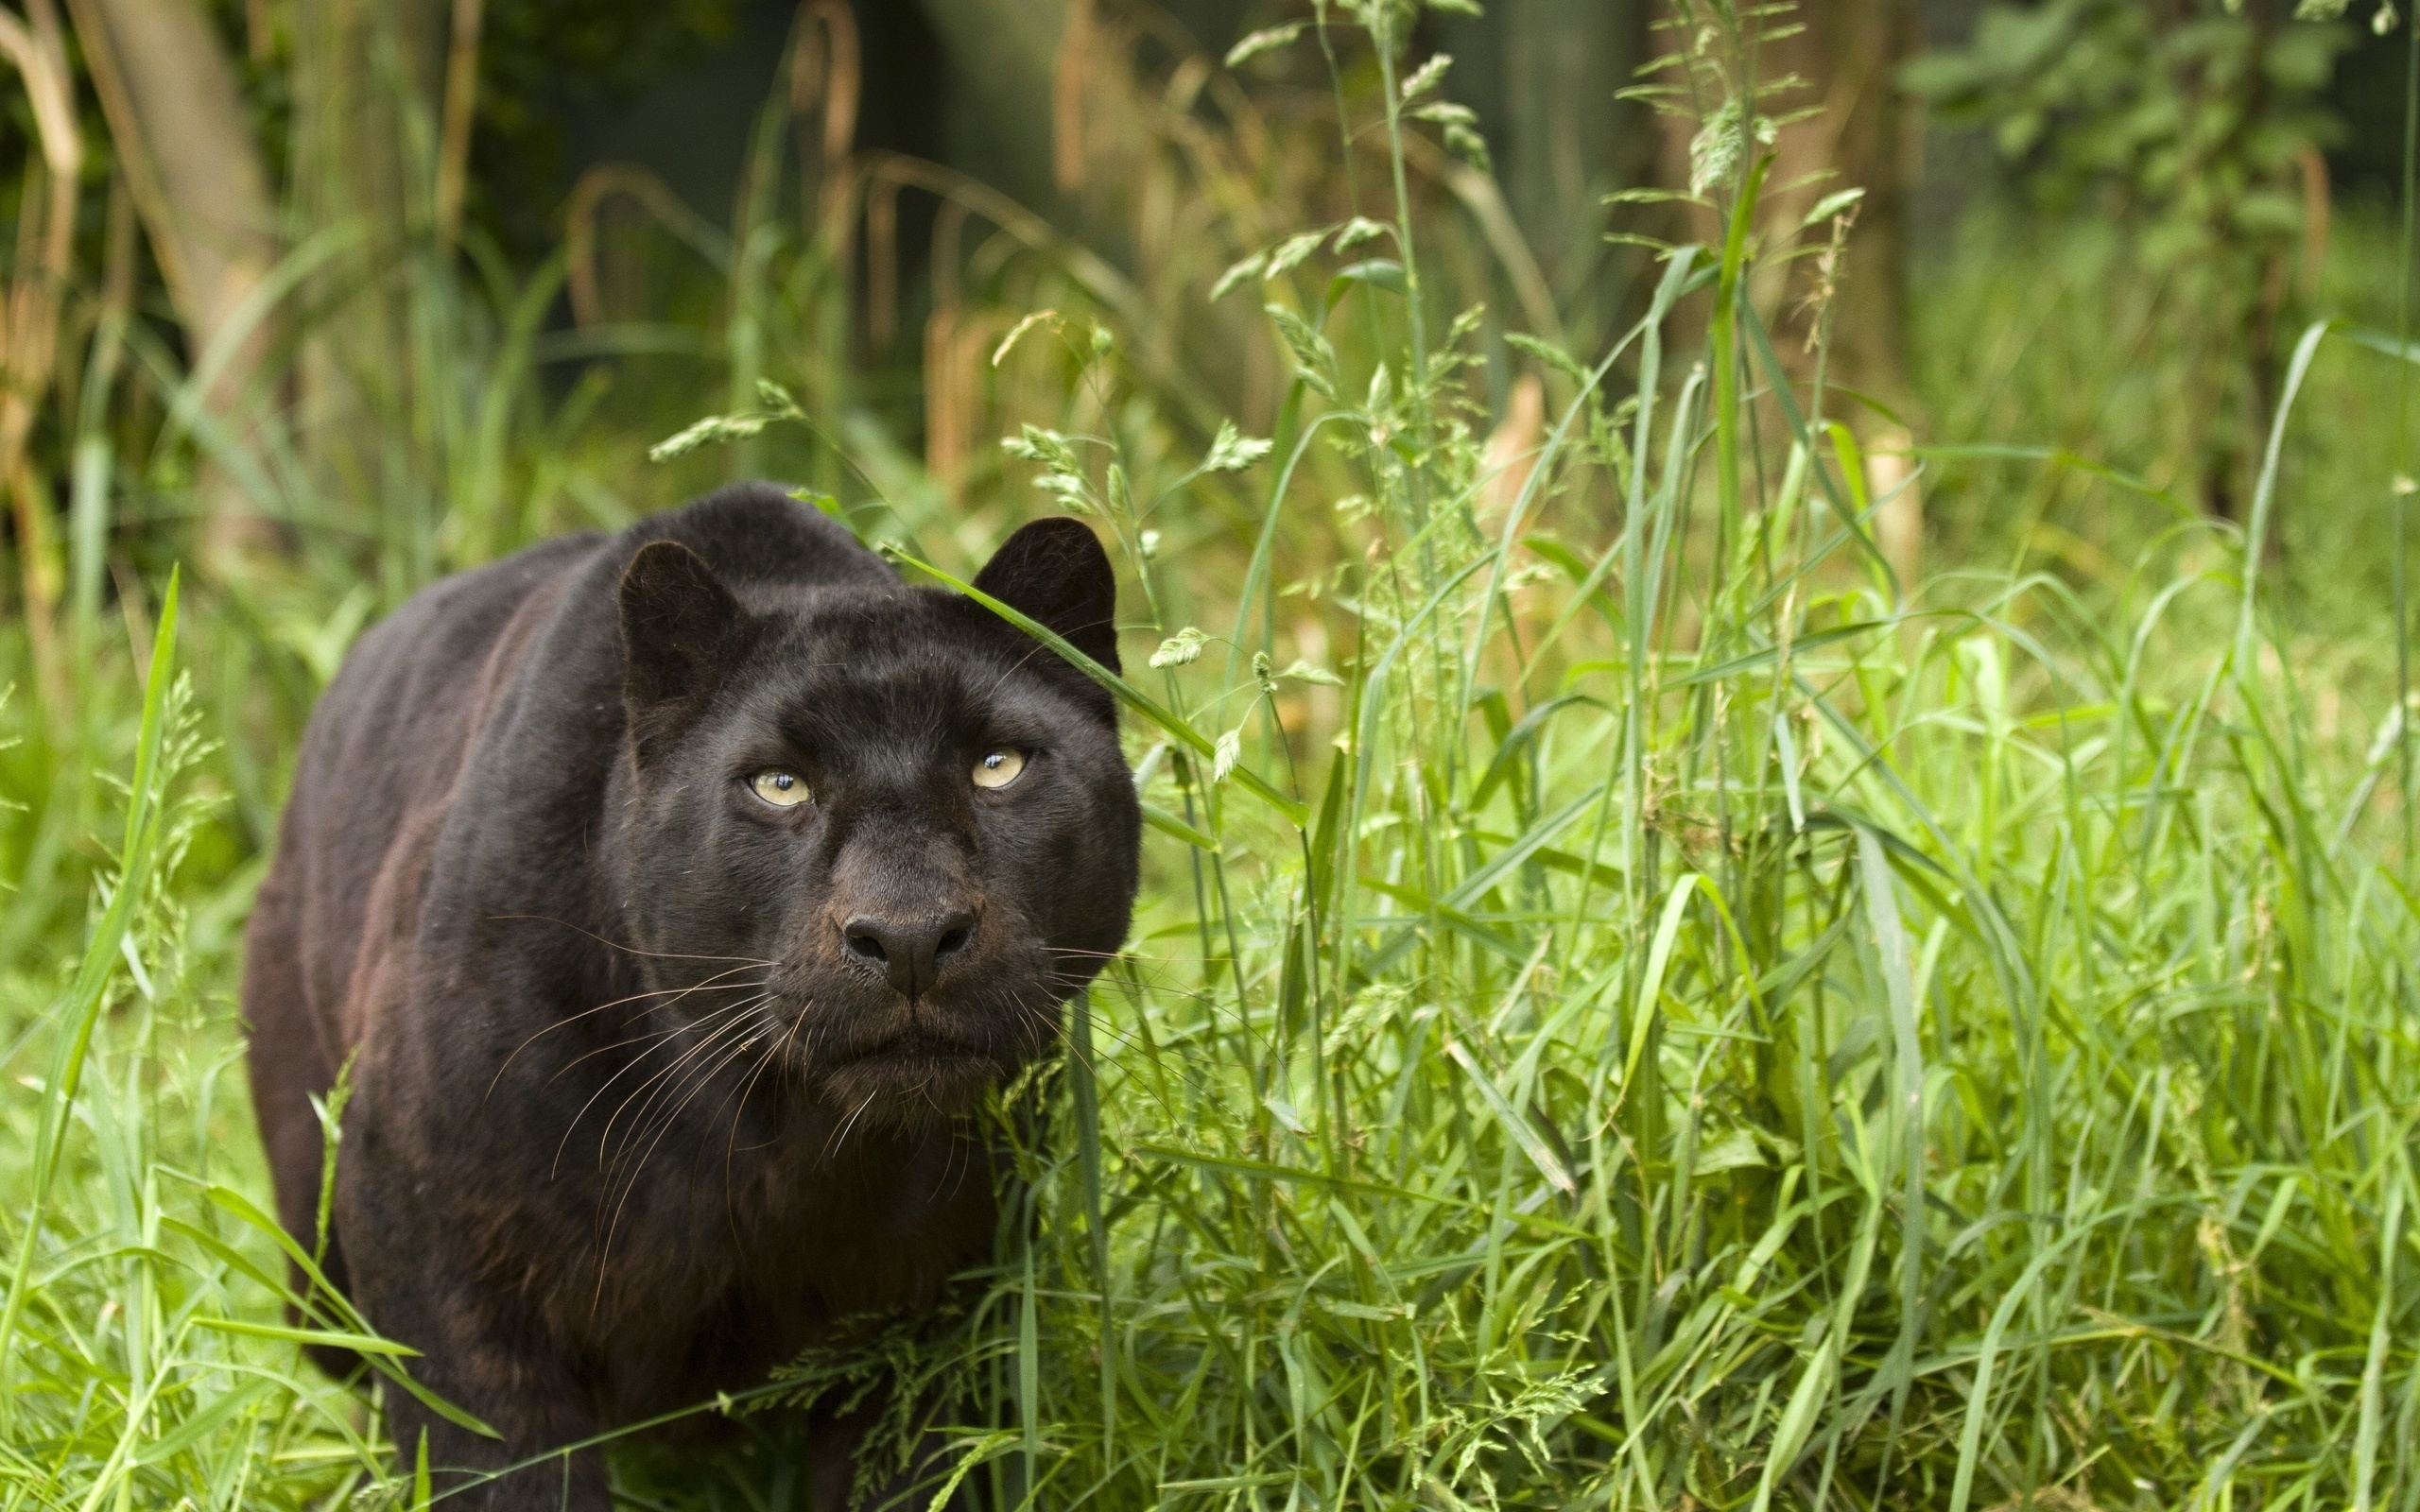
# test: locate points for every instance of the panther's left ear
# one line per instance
(1055, 572)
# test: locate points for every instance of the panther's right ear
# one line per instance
(681, 633)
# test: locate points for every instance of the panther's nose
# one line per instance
(909, 950)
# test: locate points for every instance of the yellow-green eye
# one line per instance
(999, 767)
(780, 787)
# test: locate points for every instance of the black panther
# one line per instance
(673, 897)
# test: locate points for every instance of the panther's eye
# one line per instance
(999, 767)
(780, 787)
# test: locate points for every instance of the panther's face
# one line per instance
(873, 837)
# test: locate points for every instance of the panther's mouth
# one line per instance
(910, 1059)
(909, 1051)
(918, 1068)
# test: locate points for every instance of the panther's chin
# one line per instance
(912, 1081)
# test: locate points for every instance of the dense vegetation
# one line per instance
(1639, 1002)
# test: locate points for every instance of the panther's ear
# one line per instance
(1055, 572)
(681, 629)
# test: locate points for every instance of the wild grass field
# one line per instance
(1635, 1003)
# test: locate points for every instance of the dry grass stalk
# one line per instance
(31, 332)
(826, 69)
(882, 259)
(1071, 76)
(461, 99)
(181, 132)
(1899, 517)
(1512, 453)
(595, 188)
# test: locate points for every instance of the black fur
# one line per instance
(634, 1117)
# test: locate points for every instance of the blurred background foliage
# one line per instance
(618, 186)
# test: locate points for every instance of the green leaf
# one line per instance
(1652, 197)
(1797, 1418)
(1659, 956)
(203, 1423)
(357, 1343)
(1754, 660)
(79, 1012)
(1303, 671)
(1376, 272)
(1532, 1144)
(824, 504)
(1168, 823)
(1830, 205)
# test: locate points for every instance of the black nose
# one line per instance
(909, 951)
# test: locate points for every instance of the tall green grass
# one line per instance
(1633, 1008)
